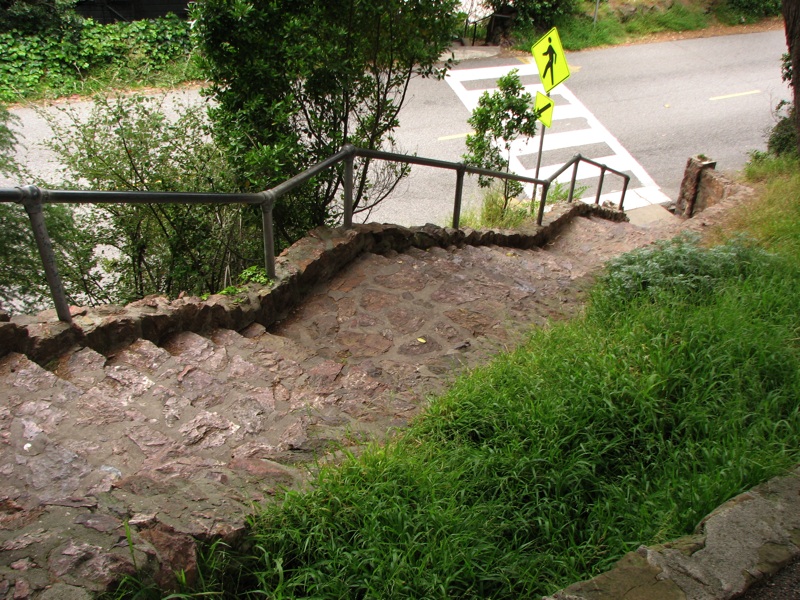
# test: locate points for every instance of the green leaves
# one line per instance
(61, 57)
(127, 143)
(500, 118)
(294, 82)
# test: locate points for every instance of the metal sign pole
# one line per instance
(538, 164)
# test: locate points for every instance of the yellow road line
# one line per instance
(454, 137)
(750, 93)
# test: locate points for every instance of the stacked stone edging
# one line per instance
(315, 258)
(744, 540)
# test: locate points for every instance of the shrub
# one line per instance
(128, 143)
(543, 14)
(679, 266)
(752, 9)
(71, 54)
(783, 136)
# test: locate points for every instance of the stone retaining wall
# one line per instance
(703, 187)
(316, 257)
(747, 538)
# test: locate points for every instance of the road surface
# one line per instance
(643, 109)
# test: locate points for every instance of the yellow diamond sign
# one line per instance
(550, 60)
(544, 107)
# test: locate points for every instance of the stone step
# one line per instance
(179, 438)
(590, 242)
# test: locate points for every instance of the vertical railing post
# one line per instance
(32, 201)
(268, 233)
(624, 189)
(572, 182)
(545, 189)
(348, 187)
(600, 184)
(460, 172)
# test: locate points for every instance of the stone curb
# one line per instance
(315, 258)
(746, 539)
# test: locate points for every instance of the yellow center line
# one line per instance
(454, 137)
(750, 93)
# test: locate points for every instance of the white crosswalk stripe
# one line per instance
(575, 130)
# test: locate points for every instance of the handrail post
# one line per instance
(572, 182)
(545, 189)
(460, 172)
(600, 185)
(268, 233)
(32, 201)
(348, 185)
(624, 189)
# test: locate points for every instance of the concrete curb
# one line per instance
(748, 538)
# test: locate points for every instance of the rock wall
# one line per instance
(703, 187)
(747, 538)
(317, 257)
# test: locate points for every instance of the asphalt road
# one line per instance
(667, 101)
(660, 102)
(663, 102)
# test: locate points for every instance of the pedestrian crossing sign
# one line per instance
(550, 60)
(544, 107)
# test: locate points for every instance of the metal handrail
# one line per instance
(475, 24)
(33, 198)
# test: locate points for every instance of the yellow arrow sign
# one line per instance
(550, 60)
(544, 106)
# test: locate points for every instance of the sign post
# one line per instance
(553, 69)
(544, 106)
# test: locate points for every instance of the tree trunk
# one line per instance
(791, 17)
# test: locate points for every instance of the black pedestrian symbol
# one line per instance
(550, 53)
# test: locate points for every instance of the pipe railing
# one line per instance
(33, 199)
(477, 22)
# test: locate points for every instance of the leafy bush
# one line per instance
(32, 17)
(783, 136)
(22, 286)
(675, 267)
(293, 86)
(543, 14)
(65, 56)
(738, 10)
(128, 143)
(756, 8)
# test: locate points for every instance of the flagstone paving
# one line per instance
(178, 441)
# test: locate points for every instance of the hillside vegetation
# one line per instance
(47, 51)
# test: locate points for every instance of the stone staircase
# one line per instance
(174, 440)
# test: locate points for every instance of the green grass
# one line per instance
(677, 390)
(775, 219)
(492, 214)
(581, 32)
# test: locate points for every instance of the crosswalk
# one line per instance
(575, 131)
